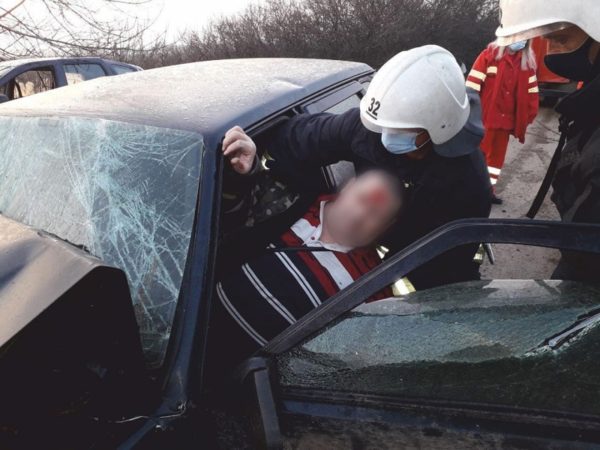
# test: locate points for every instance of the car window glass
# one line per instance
(345, 105)
(126, 193)
(119, 69)
(33, 82)
(517, 343)
(76, 73)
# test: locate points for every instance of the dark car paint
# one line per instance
(37, 269)
(56, 64)
(377, 422)
(68, 328)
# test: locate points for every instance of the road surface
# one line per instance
(521, 177)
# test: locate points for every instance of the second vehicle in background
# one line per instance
(25, 77)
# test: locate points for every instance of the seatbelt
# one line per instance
(552, 168)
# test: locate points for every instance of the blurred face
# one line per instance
(363, 211)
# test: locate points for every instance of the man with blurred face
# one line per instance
(573, 31)
(324, 250)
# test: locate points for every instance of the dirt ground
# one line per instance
(521, 177)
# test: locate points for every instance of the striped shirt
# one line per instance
(272, 291)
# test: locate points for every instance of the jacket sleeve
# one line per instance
(315, 140)
(528, 104)
(477, 76)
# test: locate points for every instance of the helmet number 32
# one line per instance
(374, 108)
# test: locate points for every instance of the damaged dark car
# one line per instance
(110, 195)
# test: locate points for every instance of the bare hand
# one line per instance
(240, 149)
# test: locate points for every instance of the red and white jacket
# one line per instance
(509, 94)
(276, 288)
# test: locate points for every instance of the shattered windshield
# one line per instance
(124, 192)
(519, 343)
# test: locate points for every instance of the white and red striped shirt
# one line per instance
(272, 291)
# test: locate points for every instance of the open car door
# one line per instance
(512, 364)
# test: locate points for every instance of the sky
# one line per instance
(171, 16)
(179, 15)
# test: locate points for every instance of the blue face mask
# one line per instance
(518, 46)
(400, 143)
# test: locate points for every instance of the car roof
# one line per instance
(205, 97)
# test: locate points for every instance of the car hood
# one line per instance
(36, 269)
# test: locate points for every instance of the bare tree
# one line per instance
(362, 30)
(71, 27)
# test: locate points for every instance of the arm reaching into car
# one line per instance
(316, 140)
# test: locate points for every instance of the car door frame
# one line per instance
(333, 98)
(331, 404)
(538, 233)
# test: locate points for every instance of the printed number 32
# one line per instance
(374, 108)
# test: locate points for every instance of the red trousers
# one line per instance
(494, 147)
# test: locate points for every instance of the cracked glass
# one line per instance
(518, 343)
(126, 193)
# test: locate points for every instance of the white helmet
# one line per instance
(421, 88)
(527, 19)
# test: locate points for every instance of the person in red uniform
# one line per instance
(506, 80)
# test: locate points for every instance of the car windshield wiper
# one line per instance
(570, 333)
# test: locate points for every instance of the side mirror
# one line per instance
(4, 98)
